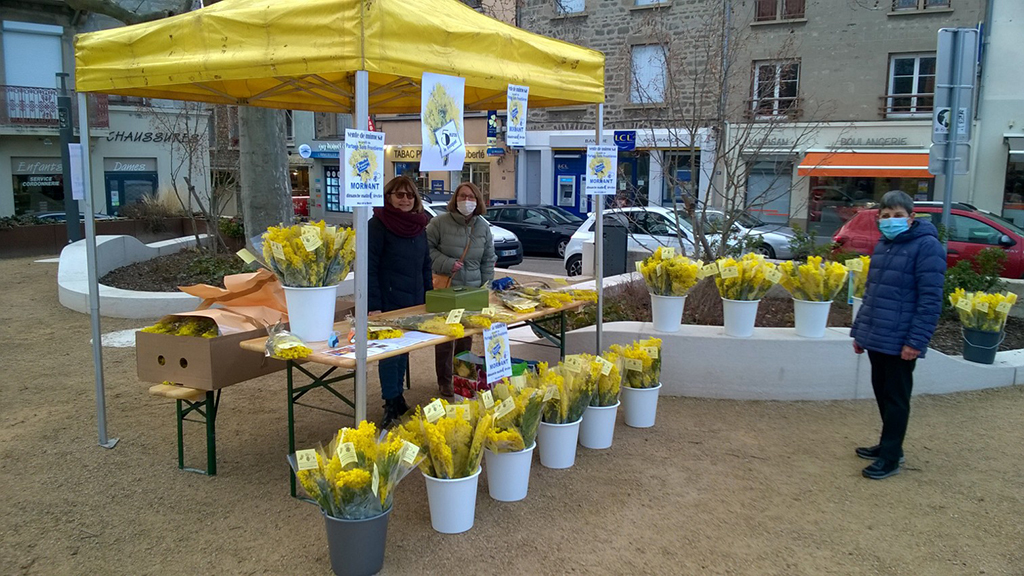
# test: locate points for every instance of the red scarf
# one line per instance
(403, 224)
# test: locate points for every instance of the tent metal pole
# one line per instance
(90, 256)
(599, 241)
(361, 218)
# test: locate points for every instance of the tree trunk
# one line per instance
(263, 169)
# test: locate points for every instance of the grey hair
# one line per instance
(894, 199)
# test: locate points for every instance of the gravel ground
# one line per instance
(716, 487)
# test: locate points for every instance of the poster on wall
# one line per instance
(602, 168)
(516, 106)
(441, 123)
(363, 162)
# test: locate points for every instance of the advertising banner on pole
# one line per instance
(441, 122)
(363, 162)
(602, 170)
(517, 108)
(497, 359)
(77, 180)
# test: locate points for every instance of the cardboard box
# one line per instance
(469, 373)
(461, 297)
(207, 363)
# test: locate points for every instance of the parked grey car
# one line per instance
(773, 238)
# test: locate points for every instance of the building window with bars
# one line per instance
(911, 85)
(917, 5)
(775, 88)
(569, 6)
(769, 10)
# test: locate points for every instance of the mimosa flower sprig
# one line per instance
(517, 415)
(668, 274)
(453, 438)
(748, 278)
(309, 255)
(642, 362)
(982, 310)
(813, 281)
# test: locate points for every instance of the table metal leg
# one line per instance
(207, 410)
(211, 432)
(181, 437)
(561, 336)
(295, 393)
(291, 425)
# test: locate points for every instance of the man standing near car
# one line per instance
(901, 307)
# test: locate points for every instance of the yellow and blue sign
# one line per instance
(625, 140)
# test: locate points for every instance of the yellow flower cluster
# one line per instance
(439, 325)
(309, 255)
(813, 281)
(982, 310)
(348, 490)
(752, 279)
(860, 277)
(671, 276)
(453, 442)
(580, 295)
(440, 110)
(516, 429)
(185, 326)
(383, 333)
(642, 361)
(292, 353)
(608, 385)
(567, 390)
(286, 346)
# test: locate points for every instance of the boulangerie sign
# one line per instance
(441, 122)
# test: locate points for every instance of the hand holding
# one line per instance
(909, 353)
(457, 266)
(857, 349)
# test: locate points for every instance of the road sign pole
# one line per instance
(953, 134)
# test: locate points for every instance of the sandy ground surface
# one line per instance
(717, 487)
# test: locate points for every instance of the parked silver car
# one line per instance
(772, 239)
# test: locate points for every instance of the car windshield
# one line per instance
(563, 216)
(1003, 221)
(747, 220)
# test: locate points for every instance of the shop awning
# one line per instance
(874, 164)
(1016, 147)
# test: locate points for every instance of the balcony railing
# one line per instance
(907, 105)
(787, 108)
(27, 106)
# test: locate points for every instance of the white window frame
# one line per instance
(653, 92)
(755, 98)
(891, 96)
(922, 5)
(563, 7)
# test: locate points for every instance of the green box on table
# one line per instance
(447, 299)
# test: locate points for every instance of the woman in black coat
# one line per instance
(399, 275)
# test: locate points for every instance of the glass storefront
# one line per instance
(412, 170)
(1013, 195)
(681, 177)
(833, 200)
(478, 173)
(38, 185)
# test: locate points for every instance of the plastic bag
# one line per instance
(284, 345)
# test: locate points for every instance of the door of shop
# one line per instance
(768, 191)
(126, 188)
(632, 183)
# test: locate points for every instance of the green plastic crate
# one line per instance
(461, 297)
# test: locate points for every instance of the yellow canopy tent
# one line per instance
(352, 56)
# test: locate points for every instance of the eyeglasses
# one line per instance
(409, 195)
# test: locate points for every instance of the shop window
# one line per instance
(412, 170)
(911, 85)
(1013, 197)
(916, 5)
(38, 193)
(647, 74)
(768, 10)
(569, 6)
(834, 200)
(332, 189)
(775, 89)
(680, 178)
(478, 173)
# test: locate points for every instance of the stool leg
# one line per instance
(408, 373)
(181, 438)
(211, 434)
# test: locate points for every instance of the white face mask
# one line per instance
(467, 207)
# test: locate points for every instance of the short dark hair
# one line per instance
(404, 184)
(897, 199)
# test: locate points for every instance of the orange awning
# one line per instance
(875, 164)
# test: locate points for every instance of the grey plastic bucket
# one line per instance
(981, 346)
(357, 546)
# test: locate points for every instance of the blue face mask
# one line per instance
(893, 227)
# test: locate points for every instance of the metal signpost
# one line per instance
(955, 72)
(67, 136)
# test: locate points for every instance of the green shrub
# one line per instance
(981, 274)
(232, 228)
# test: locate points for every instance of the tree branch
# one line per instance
(114, 10)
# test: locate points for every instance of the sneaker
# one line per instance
(394, 409)
(881, 469)
(446, 391)
(873, 453)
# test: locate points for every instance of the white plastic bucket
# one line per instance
(810, 318)
(640, 406)
(452, 503)
(558, 444)
(508, 474)
(598, 427)
(739, 317)
(856, 307)
(311, 312)
(667, 312)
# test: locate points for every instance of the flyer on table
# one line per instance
(441, 123)
(602, 169)
(497, 359)
(363, 158)
(516, 106)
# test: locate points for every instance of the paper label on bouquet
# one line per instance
(501, 390)
(572, 364)
(550, 393)
(652, 351)
(634, 365)
(246, 256)
(488, 399)
(347, 453)
(1011, 297)
(409, 452)
(730, 272)
(507, 405)
(773, 275)
(455, 316)
(710, 269)
(638, 263)
(331, 230)
(518, 382)
(278, 250)
(855, 264)
(375, 480)
(658, 269)
(433, 411)
(606, 366)
(463, 412)
(964, 304)
(1003, 307)
(668, 252)
(311, 238)
(306, 460)
(449, 412)
(982, 306)
(489, 311)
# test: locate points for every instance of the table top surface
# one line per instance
(320, 349)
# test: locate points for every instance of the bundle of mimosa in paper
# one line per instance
(309, 255)
(813, 281)
(567, 391)
(517, 414)
(982, 310)
(748, 278)
(355, 476)
(451, 434)
(667, 273)
(858, 268)
(642, 361)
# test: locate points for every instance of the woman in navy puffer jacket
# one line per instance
(902, 303)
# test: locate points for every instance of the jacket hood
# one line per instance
(918, 229)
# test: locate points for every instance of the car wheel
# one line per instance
(574, 267)
(561, 247)
(765, 250)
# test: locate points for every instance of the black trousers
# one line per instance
(893, 380)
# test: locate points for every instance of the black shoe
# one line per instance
(394, 409)
(873, 453)
(882, 469)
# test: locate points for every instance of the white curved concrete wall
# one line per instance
(776, 364)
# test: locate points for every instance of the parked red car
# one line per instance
(970, 231)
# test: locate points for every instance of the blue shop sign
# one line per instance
(625, 140)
